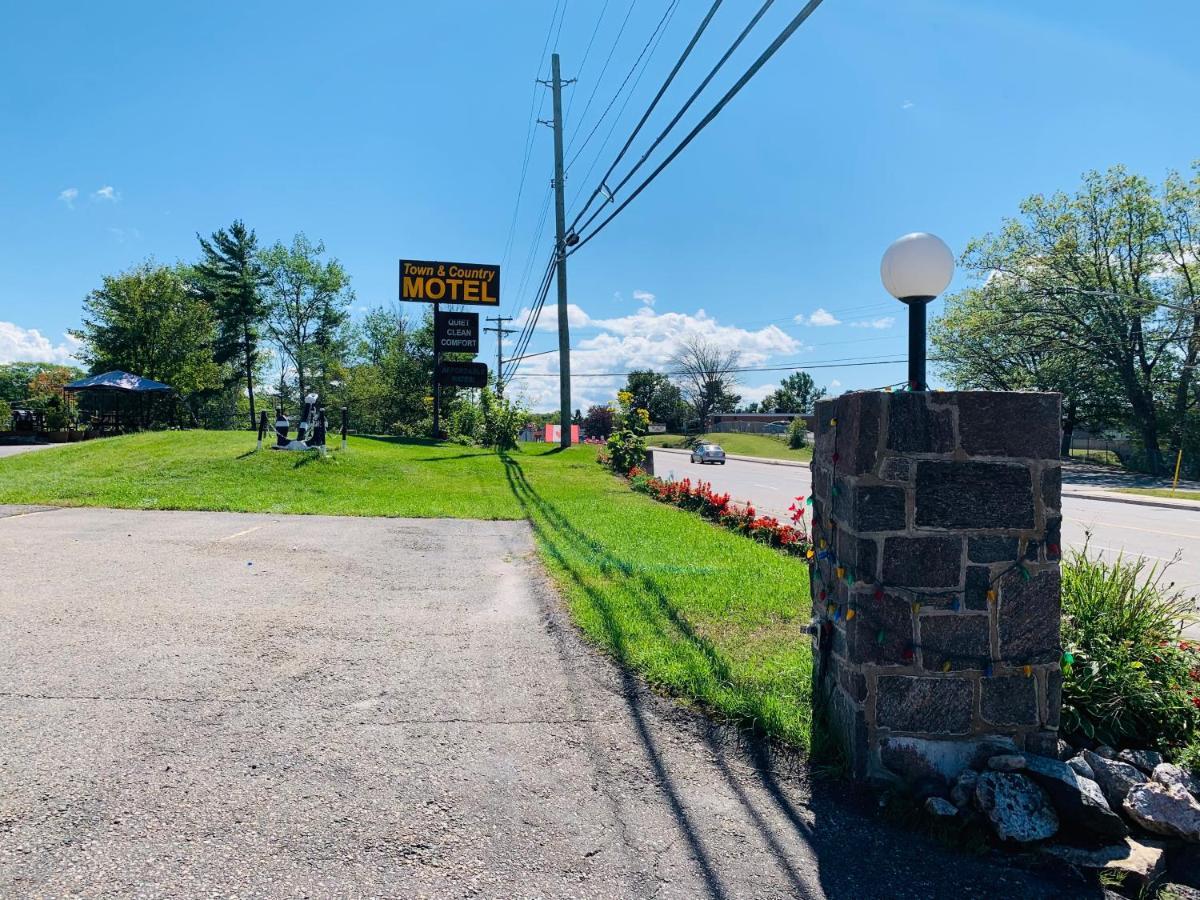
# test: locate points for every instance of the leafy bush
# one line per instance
(625, 450)
(502, 420)
(5, 416)
(797, 434)
(465, 422)
(1128, 678)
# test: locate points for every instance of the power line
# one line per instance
(696, 93)
(616, 120)
(687, 51)
(603, 69)
(529, 131)
(830, 365)
(535, 311)
(534, 244)
(712, 114)
(657, 28)
(586, 53)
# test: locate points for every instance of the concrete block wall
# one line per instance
(935, 578)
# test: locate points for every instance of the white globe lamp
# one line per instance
(915, 269)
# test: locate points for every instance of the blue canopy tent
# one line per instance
(119, 384)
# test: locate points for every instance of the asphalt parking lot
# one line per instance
(215, 704)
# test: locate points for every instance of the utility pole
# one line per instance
(501, 331)
(560, 245)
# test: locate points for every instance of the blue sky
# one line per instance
(399, 129)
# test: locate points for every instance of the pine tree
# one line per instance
(232, 278)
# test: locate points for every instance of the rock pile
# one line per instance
(1130, 811)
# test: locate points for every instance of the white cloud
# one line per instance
(19, 344)
(880, 323)
(106, 193)
(644, 296)
(907, 104)
(822, 318)
(834, 385)
(68, 196)
(642, 340)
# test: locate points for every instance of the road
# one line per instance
(217, 704)
(16, 449)
(1154, 532)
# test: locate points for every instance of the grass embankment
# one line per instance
(765, 446)
(701, 613)
(1163, 492)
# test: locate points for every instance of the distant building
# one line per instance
(547, 434)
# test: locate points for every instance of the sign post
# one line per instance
(437, 386)
(468, 284)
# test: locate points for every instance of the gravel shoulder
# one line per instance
(276, 706)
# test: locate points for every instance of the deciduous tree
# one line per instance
(706, 374)
(151, 321)
(1085, 281)
(308, 299)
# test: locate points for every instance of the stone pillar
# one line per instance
(935, 581)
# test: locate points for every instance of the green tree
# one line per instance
(150, 321)
(982, 344)
(655, 393)
(796, 394)
(388, 375)
(232, 277)
(1087, 275)
(16, 378)
(308, 301)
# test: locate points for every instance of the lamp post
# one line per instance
(915, 269)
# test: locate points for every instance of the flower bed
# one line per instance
(719, 508)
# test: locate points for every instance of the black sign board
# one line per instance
(427, 281)
(456, 332)
(462, 374)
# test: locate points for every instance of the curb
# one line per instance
(750, 459)
(1130, 499)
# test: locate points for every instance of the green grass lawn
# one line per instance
(766, 446)
(699, 612)
(1163, 492)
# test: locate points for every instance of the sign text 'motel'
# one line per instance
(462, 374)
(456, 332)
(427, 281)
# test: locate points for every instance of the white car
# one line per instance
(708, 453)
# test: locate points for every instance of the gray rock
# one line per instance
(1079, 801)
(1143, 760)
(1081, 767)
(1048, 743)
(989, 746)
(1173, 891)
(1017, 808)
(1165, 809)
(940, 808)
(1116, 779)
(1106, 752)
(1168, 774)
(1145, 861)
(964, 788)
(924, 761)
(1007, 762)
